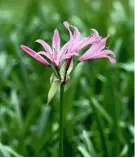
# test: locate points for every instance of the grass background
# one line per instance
(98, 105)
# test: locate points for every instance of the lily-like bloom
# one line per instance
(76, 43)
(97, 50)
(55, 55)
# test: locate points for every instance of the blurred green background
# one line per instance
(98, 104)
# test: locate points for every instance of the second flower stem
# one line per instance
(61, 121)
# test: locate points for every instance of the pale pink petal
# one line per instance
(64, 50)
(75, 39)
(56, 41)
(106, 56)
(76, 35)
(112, 60)
(98, 46)
(45, 54)
(87, 41)
(67, 25)
(34, 54)
(95, 35)
(65, 56)
(94, 49)
(102, 54)
(107, 52)
(83, 43)
(46, 47)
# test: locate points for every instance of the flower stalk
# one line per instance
(61, 120)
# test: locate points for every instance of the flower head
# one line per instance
(97, 50)
(55, 54)
(52, 54)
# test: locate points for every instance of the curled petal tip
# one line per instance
(37, 40)
(66, 24)
(25, 48)
(22, 46)
(56, 33)
(56, 30)
(113, 61)
(94, 30)
(108, 36)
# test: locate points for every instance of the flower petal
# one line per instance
(45, 54)
(95, 49)
(99, 46)
(34, 54)
(46, 47)
(107, 52)
(86, 41)
(95, 32)
(63, 50)
(105, 56)
(95, 36)
(66, 56)
(67, 25)
(76, 35)
(56, 41)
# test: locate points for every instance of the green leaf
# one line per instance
(126, 66)
(8, 151)
(131, 129)
(88, 143)
(102, 111)
(63, 70)
(43, 119)
(124, 151)
(52, 78)
(54, 86)
(83, 151)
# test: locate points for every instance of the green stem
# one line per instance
(65, 76)
(58, 73)
(61, 121)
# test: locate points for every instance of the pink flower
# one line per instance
(97, 50)
(76, 44)
(54, 54)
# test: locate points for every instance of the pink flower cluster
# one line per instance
(56, 54)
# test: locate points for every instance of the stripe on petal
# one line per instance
(45, 54)
(64, 50)
(34, 54)
(56, 41)
(46, 47)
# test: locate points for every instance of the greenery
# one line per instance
(98, 102)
